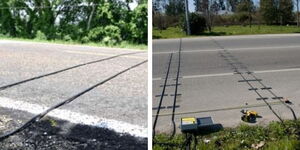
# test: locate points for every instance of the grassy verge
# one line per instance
(123, 44)
(275, 136)
(176, 32)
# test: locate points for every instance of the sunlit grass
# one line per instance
(275, 136)
(172, 32)
(176, 32)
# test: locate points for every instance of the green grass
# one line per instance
(276, 136)
(176, 32)
(123, 44)
(172, 32)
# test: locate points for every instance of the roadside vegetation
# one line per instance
(275, 136)
(177, 32)
(123, 44)
(112, 23)
(224, 17)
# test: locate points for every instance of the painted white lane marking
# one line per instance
(278, 70)
(101, 54)
(200, 76)
(229, 49)
(77, 118)
(187, 51)
(207, 75)
(254, 36)
(230, 74)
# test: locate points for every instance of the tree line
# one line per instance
(168, 13)
(107, 21)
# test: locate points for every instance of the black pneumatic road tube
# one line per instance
(41, 115)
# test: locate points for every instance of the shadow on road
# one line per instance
(51, 133)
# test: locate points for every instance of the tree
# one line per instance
(197, 24)
(245, 9)
(297, 13)
(141, 2)
(204, 7)
(209, 8)
(286, 11)
(175, 7)
(277, 11)
(232, 5)
(69, 20)
(139, 26)
(269, 11)
(6, 20)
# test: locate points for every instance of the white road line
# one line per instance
(156, 79)
(187, 51)
(253, 36)
(229, 49)
(101, 54)
(77, 118)
(230, 74)
(200, 76)
(207, 75)
(279, 70)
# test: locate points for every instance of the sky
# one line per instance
(133, 5)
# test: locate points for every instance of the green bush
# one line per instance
(67, 38)
(138, 24)
(197, 24)
(125, 29)
(242, 17)
(40, 35)
(96, 34)
(108, 41)
(110, 35)
(113, 32)
(85, 39)
(111, 21)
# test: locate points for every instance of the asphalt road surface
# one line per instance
(209, 87)
(119, 105)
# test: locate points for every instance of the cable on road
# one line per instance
(270, 91)
(41, 115)
(176, 90)
(162, 94)
(264, 86)
(220, 109)
(270, 107)
(175, 93)
(232, 60)
(59, 71)
(236, 69)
